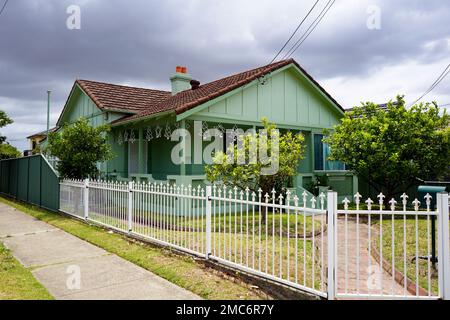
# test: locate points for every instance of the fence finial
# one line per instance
(357, 197)
(313, 202)
(428, 198)
(304, 195)
(393, 203)
(369, 203)
(381, 197)
(346, 202)
(322, 200)
(416, 204)
(404, 197)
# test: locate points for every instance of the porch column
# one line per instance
(141, 154)
(183, 157)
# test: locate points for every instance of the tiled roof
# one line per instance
(189, 99)
(145, 102)
(124, 98)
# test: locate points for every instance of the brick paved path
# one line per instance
(370, 279)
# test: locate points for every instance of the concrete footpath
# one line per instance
(71, 268)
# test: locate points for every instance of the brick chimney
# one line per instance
(181, 80)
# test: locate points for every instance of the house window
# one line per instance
(321, 153)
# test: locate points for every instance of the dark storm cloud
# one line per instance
(140, 42)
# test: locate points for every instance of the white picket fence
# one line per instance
(307, 244)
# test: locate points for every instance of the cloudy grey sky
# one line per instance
(139, 42)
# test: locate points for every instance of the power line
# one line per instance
(4, 6)
(310, 29)
(435, 84)
(295, 31)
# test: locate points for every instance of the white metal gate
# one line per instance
(387, 253)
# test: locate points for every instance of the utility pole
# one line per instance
(48, 113)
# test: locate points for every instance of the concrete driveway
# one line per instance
(71, 268)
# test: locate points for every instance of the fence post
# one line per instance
(208, 221)
(86, 199)
(130, 206)
(331, 229)
(443, 246)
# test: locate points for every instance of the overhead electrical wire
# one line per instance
(4, 6)
(310, 29)
(295, 31)
(435, 84)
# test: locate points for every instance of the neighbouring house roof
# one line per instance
(382, 106)
(141, 102)
(42, 133)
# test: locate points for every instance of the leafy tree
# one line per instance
(4, 121)
(252, 174)
(390, 149)
(79, 147)
(7, 151)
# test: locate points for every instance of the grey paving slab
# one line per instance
(149, 288)
(13, 222)
(53, 247)
(94, 273)
(107, 277)
(58, 258)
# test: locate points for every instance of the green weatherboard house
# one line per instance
(142, 120)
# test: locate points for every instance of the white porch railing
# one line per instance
(360, 251)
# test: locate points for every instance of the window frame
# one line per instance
(324, 159)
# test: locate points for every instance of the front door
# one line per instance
(133, 158)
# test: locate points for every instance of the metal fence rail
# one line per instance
(272, 236)
(361, 250)
(171, 215)
(71, 197)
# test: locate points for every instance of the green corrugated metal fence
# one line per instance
(30, 179)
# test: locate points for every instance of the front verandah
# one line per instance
(145, 153)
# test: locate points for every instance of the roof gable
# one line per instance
(286, 97)
(190, 99)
